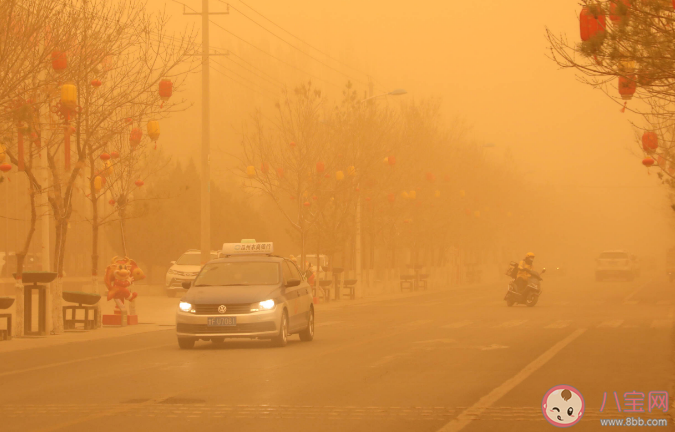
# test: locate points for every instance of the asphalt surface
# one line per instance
(447, 360)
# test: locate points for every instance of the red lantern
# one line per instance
(618, 10)
(96, 83)
(627, 87)
(327, 176)
(391, 198)
(128, 120)
(647, 162)
(661, 161)
(591, 24)
(314, 197)
(431, 177)
(446, 178)
(59, 61)
(650, 141)
(280, 173)
(111, 202)
(357, 190)
(5, 167)
(468, 212)
(265, 167)
(114, 155)
(368, 199)
(391, 160)
(135, 136)
(165, 89)
(320, 167)
(104, 156)
(292, 198)
(293, 144)
(139, 183)
(307, 204)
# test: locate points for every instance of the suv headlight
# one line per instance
(172, 272)
(185, 306)
(263, 306)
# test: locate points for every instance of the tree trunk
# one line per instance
(94, 239)
(20, 259)
(57, 285)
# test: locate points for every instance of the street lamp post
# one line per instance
(357, 234)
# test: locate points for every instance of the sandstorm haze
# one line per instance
(489, 65)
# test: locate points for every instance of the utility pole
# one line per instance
(206, 131)
(357, 234)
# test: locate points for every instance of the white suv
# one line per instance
(184, 269)
(616, 263)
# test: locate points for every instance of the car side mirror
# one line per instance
(292, 282)
(186, 285)
(173, 262)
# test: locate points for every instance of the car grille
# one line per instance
(212, 309)
(239, 328)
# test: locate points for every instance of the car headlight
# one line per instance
(263, 306)
(185, 306)
(172, 272)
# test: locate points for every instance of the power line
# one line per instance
(244, 85)
(243, 78)
(293, 46)
(271, 81)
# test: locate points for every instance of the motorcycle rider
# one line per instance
(524, 272)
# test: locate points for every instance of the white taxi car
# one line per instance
(246, 293)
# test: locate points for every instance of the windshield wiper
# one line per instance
(236, 285)
(204, 285)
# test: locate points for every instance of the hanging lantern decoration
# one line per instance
(114, 155)
(431, 177)
(307, 204)
(391, 198)
(368, 199)
(108, 169)
(5, 167)
(250, 171)
(165, 90)
(135, 137)
(437, 194)
(391, 160)
(280, 173)
(647, 162)
(314, 197)
(404, 195)
(139, 182)
(111, 202)
(293, 144)
(264, 167)
(292, 198)
(59, 61)
(69, 96)
(591, 24)
(326, 176)
(650, 141)
(339, 176)
(412, 194)
(351, 171)
(153, 131)
(320, 167)
(627, 87)
(446, 178)
(619, 11)
(104, 156)
(98, 183)
(129, 121)
(96, 83)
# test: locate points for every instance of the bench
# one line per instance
(6, 334)
(407, 282)
(89, 323)
(350, 286)
(325, 289)
(422, 281)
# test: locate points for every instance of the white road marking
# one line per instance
(509, 324)
(80, 360)
(491, 347)
(437, 341)
(559, 324)
(468, 415)
(458, 324)
(327, 323)
(611, 323)
(630, 296)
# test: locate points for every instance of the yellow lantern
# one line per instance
(437, 194)
(404, 195)
(109, 170)
(69, 96)
(250, 171)
(98, 183)
(412, 194)
(339, 176)
(462, 193)
(3, 155)
(153, 130)
(351, 171)
(386, 161)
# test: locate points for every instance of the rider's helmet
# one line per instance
(529, 257)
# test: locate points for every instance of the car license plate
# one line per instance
(221, 321)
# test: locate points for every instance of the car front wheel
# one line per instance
(282, 339)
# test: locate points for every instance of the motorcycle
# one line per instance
(530, 296)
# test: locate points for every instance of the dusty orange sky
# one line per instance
(488, 62)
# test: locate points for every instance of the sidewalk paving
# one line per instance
(159, 313)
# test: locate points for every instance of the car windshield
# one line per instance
(238, 274)
(613, 255)
(194, 259)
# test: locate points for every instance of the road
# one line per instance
(444, 360)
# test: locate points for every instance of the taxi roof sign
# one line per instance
(247, 248)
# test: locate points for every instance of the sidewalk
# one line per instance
(158, 313)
